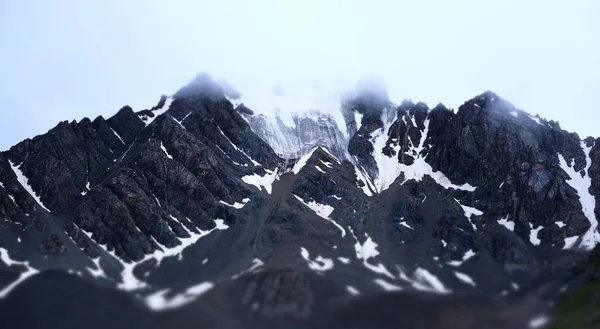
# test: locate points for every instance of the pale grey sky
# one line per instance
(64, 60)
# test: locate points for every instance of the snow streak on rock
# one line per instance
(352, 290)
(265, 181)
(130, 282)
(98, 272)
(119, 137)
(323, 211)
(387, 286)
(25, 183)
(465, 278)
(367, 250)
(426, 277)
(302, 161)
(389, 169)
(148, 120)
(158, 301)
(236, 205)
(509, 225)
(4, 256)
(318, 264)
(164, 149)
(533, 234)
(466, 256)
(587, 200)
(469, 212)
(363, 182)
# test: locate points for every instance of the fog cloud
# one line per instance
(64, 60)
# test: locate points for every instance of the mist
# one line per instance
(66, 60)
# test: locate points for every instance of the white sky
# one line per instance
(64, 60)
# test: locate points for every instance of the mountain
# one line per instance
(199, 212)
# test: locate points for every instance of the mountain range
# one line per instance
(200, 212)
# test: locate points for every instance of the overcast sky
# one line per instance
(64, 60)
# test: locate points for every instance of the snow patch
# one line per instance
(327, 164)
(87, 186)
(148, 120)
(358, 119)
(164, 149)
(352, 290)
(465, 278)
(403, 223)
(265, 181)
(180, 123)
(119, 137)
(156, 199)
(302, 161)
(158, 301)
(319, 169)
(412, 119)
(5, 257)
(386, 285)
(24, 181)
(466, 257)
(319, 264)
(587, 200)
(360, 176)
(236, 205)
(560, 224)
(324, 211)
(129, 281)
(509, 225)
(98, 272)
(389, 169)
(533, 235)
(238, 149)
(256, 264)
(470, 211)
(367, 250)
(431, 280)
(344, 260)
(515, 114)
(570, 241)
(538, 322)
(537, 120)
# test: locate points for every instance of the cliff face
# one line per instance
(311, 129)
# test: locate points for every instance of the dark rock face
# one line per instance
(487, 146)
(188, 198)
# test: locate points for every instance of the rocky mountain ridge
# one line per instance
(200, 202)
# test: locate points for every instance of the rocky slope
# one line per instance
(215, 216)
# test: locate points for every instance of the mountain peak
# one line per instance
(369, 97)
(203, 85)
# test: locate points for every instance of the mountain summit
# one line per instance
(198, 212)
